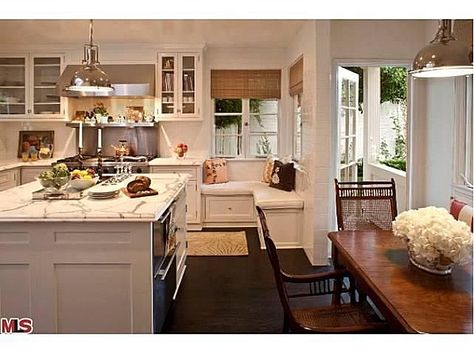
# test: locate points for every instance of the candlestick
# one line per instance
(80, 135)
(99, 138)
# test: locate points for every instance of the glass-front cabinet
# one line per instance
(178, 85)
(13, 86)
(46, 71)
(28, 86)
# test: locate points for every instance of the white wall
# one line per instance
(436, 150)
(377, 39)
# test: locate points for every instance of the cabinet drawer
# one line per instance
(238, 208)
(189, 170)
(8, 179)
(29, 174)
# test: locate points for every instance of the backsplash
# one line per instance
(64, 143)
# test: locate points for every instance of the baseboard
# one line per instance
(194, 227)
(230, 224)
(283, 245)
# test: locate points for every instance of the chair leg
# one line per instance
(286, 325)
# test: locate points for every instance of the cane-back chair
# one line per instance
(365, 205)
(336, 317)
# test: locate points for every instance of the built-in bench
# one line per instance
(232, 204)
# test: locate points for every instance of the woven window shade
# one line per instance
(296, 78)
(246, 84)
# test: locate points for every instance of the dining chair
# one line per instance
(365, 205)
(338, 317)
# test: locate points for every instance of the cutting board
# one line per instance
(146, 193)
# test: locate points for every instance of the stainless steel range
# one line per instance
(111, 165)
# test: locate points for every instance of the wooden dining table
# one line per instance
(410, 299)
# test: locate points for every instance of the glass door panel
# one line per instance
(46, 71)
(348, 82)
(168, 95)
(188, 84)
(12, 86)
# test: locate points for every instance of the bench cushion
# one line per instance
(264, 196)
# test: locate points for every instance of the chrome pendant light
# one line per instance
(444, 56)
(90, 78)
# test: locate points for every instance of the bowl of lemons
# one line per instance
(83, 179)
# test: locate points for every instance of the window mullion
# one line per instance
(245, 127)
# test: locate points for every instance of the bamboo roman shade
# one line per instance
(260, 84)
(296, 78)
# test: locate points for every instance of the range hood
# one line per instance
(128, 80)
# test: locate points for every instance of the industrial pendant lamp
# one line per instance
(90, 78)
(444, 56)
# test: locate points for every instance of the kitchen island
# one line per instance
(85, 266)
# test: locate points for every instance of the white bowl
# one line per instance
(81, 184)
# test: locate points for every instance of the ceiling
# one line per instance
(213, 33)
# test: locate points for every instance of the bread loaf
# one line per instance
(145, 180)
(136, 186)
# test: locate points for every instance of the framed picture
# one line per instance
(33, 140)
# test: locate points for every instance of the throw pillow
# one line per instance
(215, 171)
(461, 211)
(267, 169)
(283, 176)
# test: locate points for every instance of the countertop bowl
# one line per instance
(81, 184)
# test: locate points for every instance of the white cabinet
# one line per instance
(28, 86)
(193, 188)
(179, 85)
(229, 209)
(9, 178)
(29, 174)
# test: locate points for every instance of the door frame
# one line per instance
(334, 139)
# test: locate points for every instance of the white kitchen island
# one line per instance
(84, 266)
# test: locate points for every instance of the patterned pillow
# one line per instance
(461, 211)
(215, 171)
(283, 176)
(267, 170)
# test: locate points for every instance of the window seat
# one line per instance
(232, 204)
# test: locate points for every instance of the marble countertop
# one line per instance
(16, 204)
(167, 161)
(14, 163)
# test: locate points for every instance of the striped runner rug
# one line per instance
(217, 244)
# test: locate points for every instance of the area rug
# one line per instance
(217, 244)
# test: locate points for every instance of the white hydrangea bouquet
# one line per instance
(435, 240)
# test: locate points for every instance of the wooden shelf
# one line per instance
(13, 104)
(45, 87)
(12, 87)
(46, 103)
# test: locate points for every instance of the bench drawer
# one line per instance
(239, 208)
(188, 170)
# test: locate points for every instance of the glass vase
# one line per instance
(439, 266)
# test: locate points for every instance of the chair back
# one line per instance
(277, 272)
(365, 205)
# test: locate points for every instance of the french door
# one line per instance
(347, 105)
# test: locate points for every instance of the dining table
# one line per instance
(410, 299)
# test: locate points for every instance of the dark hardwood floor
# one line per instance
(233, 294)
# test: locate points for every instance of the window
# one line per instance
(463, 153)
(245, 127)
(297, 128)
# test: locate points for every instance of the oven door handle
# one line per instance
(163, 271)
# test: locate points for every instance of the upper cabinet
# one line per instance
(179, 85)
(28, 86)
